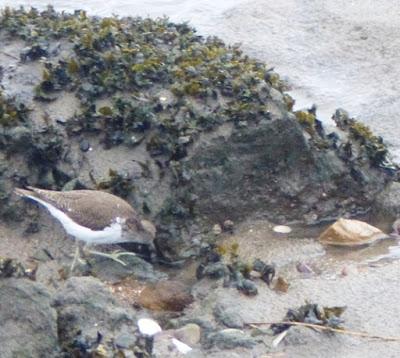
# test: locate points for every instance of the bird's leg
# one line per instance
(76, 256)
(115, 255)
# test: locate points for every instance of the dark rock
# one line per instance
(228, 316)
(229, 339)
(215, 270)
(387, 203)
(89, 316)
(166, 296)
(28, 322)
(34, 52)
(248, 287)
(112, 271)
(13, 268)
(232, 174)
(84, 145)
(19, 138)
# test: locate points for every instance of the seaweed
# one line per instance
(12, 111)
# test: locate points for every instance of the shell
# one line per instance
(282, 229)
(148, 326)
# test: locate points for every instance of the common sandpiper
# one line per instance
(94, 217)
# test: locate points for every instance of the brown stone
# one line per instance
(165, 296)
(346, 232)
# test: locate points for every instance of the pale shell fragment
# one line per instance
(148, 326)
(282, 229)
(182, 347)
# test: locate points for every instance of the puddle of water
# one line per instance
(257, 240)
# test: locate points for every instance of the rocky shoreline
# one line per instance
(191, 132)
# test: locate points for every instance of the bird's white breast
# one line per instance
(110, 234)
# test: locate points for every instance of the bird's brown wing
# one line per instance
(90, 208)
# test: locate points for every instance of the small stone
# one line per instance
(215, 270)
(217, 230)
(228, 225)
(248, 287)
(304, 268)
(281, 285)
(189, 334)
(345, 232)
(136, 139)
(61, 120)
(125, 340)
(84, 145)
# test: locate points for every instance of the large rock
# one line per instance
(272, 168)
(387, 203)
(351, 233)
(90, 319)
(28, 322)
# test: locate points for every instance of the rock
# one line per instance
(303, 267)
(217, 230)
(88, 315)
(214, 270)
(20, 138)
(345, 232)
(228, 316)
(189, 334)
(28, 322)
(229, 339)
(387, 203)
(248, 287)
(281, 285)
(165, 296)
(112, 271)
(13, 268)
(84, 145)
(228, 226)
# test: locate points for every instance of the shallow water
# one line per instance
(256, 239)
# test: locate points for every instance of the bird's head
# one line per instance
(141, 232)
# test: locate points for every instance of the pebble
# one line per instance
(84, 145)
(189, 334)
(217, 230)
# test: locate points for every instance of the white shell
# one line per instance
(182, 347)
(148, 326)
(282, 229)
